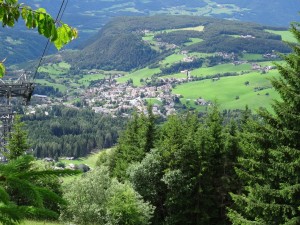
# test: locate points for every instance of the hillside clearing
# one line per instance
(232, 92)
(136, 76)
(285, 35)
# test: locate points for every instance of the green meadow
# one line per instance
(193, 41)
(252, 57)
(90, 160)
(172, 59)
(198, 28)
(232, 92)
(61, 87)
(55, 69)
(219, 69)
(136, 76)
(213, 8)
(285, 35)
(87, 79)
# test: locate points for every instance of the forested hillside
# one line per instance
(70, 132)
(120, 44)
(14, 45)
(114, 51)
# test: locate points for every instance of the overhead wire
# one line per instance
(59, 16)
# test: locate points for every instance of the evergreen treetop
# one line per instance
(270, 166)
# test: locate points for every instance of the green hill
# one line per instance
(128, 43)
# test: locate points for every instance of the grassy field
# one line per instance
(136, 76)
(252, 57)
(55, 69)
(201, 54)
(213, 8)
(198, 28)
(193, 41)
(172, 59)
(223, 68)
(285, 35)
(203, 71)
(90, 160)
(148, 37)
(231, 92)
(219, 69)
(86, 80)
(60, 87)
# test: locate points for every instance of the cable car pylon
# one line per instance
(22, 87)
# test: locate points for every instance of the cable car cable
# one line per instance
(58, 18)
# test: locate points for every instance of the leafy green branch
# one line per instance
(58, 33)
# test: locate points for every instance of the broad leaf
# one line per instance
(2, 70)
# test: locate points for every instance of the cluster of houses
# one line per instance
(114, 98)
(226, 55)
(119, 99)
(263, 69)
(272, 55)
(247, 36)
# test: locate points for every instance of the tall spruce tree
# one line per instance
(270, 166)
(136, 141)
(214, 177)
(17, 141)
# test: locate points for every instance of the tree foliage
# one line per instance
(17, 141)
(98, 199)
(22, 195)
(134, 143)
(187, 174)
(71, 132)
(57, 32)
(271, 154)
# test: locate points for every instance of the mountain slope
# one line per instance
(121, 52)
(122, 44)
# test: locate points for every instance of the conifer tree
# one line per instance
(182, 160)
(17, 141)
(20, 194)
(270, 166)
(212, 150)
(136, 141)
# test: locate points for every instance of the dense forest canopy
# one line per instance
(70, 132)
